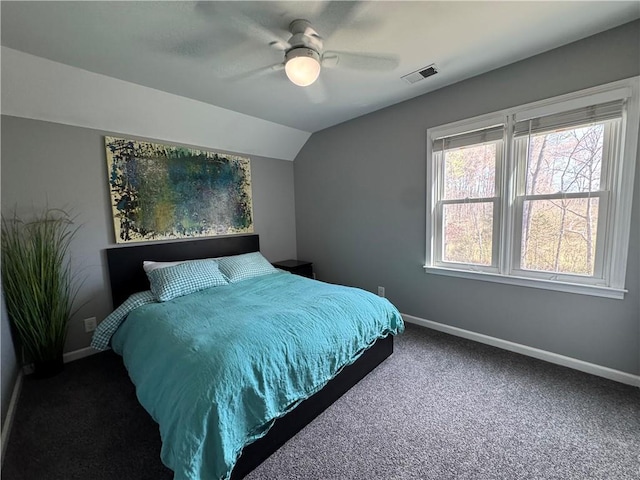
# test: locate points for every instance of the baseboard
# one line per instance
(78, 354)
(8, 420)
(66, 358)
(592, 368)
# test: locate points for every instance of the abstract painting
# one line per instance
(162, 192)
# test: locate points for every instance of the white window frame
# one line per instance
(611, 259)
(497, 203)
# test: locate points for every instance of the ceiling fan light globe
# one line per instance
(302, 66)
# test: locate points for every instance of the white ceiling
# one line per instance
(201, 50)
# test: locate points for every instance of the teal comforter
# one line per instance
(215, 368)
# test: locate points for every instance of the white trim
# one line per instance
(8, 420)
(78, 354)
(581, 365)
(17, 388)
(430, 201)
(545, 284)
(66, 358)
(624, 179)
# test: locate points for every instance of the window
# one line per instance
(538, 195)
(469, 166)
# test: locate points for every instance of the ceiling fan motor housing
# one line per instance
(301, 52)
(303, 35)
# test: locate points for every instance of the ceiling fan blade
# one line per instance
(254, 74)
(255, 30)
(280, 45)
(316, 92)
(240, 22)
(241, 58)
(335, 15)
(200, 45)
(310, 31)
(360, 61)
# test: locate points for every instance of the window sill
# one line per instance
(581, 289)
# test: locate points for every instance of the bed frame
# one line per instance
(127, 276)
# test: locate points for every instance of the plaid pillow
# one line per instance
(184, 278)
(106, 329)
(247, 265)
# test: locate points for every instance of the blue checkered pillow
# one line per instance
(247, 265)
(184, 278)
(109, 325)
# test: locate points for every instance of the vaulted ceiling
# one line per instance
(216, 52)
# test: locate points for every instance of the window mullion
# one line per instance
(507, 203)
(518, 189)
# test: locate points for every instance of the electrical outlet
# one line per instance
(90, 324)
(381, 292)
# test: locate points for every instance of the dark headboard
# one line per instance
(125, 263)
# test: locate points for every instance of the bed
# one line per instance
(143, 331)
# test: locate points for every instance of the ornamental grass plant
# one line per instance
(38, 284)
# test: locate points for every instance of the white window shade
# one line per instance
(580, 116)
(467, 139)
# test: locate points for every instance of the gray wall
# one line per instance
(360, 210)
(66, 167)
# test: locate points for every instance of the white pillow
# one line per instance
(150, 266)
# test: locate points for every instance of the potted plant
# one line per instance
(38, 284)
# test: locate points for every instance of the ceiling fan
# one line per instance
(303, 48)
(304, 56)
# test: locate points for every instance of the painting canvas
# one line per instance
(162, 191)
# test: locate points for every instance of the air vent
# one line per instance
(421, 74)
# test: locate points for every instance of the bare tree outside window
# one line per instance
(560, 217)
(470, 185)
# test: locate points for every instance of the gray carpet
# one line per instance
(440, 408)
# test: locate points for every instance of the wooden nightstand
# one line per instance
(297, 267)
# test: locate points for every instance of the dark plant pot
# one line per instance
(47, 368)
